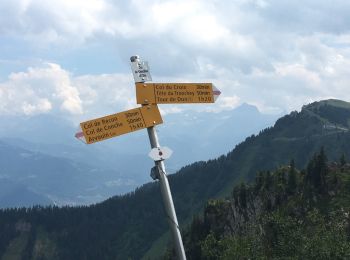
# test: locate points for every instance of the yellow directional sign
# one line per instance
(170, 93)
(117, 124)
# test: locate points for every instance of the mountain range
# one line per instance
(134, 225)
(42, 158)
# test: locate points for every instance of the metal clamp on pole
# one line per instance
(141, 73)
(155, 173)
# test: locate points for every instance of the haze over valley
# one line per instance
(85, 174)
(252, 97)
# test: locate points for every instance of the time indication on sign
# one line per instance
(106, 127)
(172, 93)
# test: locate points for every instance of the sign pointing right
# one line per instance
(172, 93)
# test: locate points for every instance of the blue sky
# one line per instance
(71, 57)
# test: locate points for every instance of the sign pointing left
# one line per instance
(106, 127)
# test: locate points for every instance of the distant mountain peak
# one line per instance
(247, 107)
(328, 102)
(244, 110)
(331, 111)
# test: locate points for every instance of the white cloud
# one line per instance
(51, 89)
(229, 102)
(42, 106)
(298, 71)
(57, 21)
(108, 93)
(275, 54)
(39, 90)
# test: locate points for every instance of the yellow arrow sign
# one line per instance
(170, 93)
(106, 127)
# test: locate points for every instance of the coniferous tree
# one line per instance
(322, 168)
(317, 170)
(268, 180)
(259, 181)
(292, 179)
(348, 227)
(243, 195)
(342, 160)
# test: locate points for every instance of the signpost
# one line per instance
(106, 127)
(148, 116)
(174, 93)
(158, 172)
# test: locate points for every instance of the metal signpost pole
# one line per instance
(148, 116)
(165, 188)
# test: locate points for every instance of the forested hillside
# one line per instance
(285, 214)
(130, 225)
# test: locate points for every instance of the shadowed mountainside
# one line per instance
(129, 225)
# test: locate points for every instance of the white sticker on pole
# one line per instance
(160, 153)
(140, 70)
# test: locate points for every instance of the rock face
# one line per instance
(234, 216)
